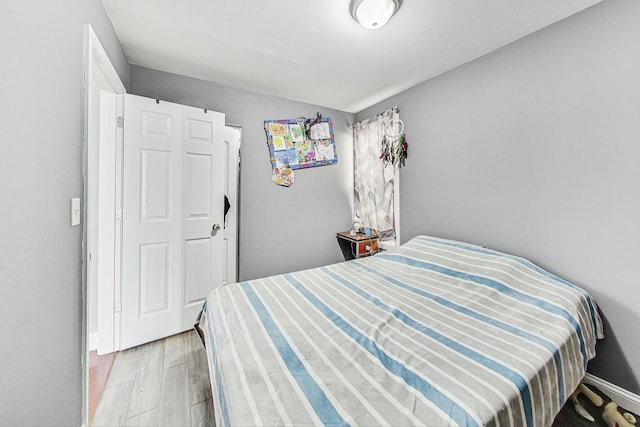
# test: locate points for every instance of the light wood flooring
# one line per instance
(166, 383)
(99, 368)
(163, 383)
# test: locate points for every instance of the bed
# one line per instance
(436, 333)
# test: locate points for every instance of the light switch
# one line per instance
(75, 211)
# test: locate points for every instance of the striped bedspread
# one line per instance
(436, 333)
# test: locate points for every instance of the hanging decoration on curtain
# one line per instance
(394, 144)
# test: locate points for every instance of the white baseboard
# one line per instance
(622, 397)
(93, 341)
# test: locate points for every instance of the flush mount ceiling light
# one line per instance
(373, 14)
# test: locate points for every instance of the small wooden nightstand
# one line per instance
(358, 245)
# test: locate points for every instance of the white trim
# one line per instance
(396, 191)
(117, 286)
(93, 341)
(98, 232)
(97, 56)
(622, 397)
(232, 177)
(95, 60)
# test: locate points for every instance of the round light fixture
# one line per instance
(373, 14)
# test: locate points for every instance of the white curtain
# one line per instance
(373, 180)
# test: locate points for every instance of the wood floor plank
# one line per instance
(148, 380)
(124, 367)
(199, 385)
(112, 408)
(175, 350)
(145, 419)
(174, 401)
(99, 368)
(202, 414)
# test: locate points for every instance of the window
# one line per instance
(376, 177)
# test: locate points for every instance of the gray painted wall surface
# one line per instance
(41, 57)
(535, 150)
(281, 229)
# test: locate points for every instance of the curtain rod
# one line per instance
(394, 109)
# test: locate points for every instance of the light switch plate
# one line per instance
(75, 211)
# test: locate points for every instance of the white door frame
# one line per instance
(233, 139)
(96, 61)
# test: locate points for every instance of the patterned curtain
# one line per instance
(373, 180)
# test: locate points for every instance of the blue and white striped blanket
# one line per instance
(436, 333)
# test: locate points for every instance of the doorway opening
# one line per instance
(102, 242)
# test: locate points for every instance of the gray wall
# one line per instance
(535, 149)
(281, 229)
(41, 57)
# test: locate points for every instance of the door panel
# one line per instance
(199, 173)
(155, 190)
(155, 282)
(154, 123)
(199, 131)
(173, 192)
(197, 273)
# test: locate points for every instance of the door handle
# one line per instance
(215, 229)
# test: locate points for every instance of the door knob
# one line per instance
(215, 229)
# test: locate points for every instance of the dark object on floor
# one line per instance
(198, 328)
(599, 406)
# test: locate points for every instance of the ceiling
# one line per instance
(313, 50)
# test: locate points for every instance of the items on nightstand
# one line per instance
(358, 244)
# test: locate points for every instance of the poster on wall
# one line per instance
(300, 143)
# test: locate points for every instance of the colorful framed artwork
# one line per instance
(300, 143)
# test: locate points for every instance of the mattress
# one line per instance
(436, 333)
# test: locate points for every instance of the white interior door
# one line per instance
(172, 245)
